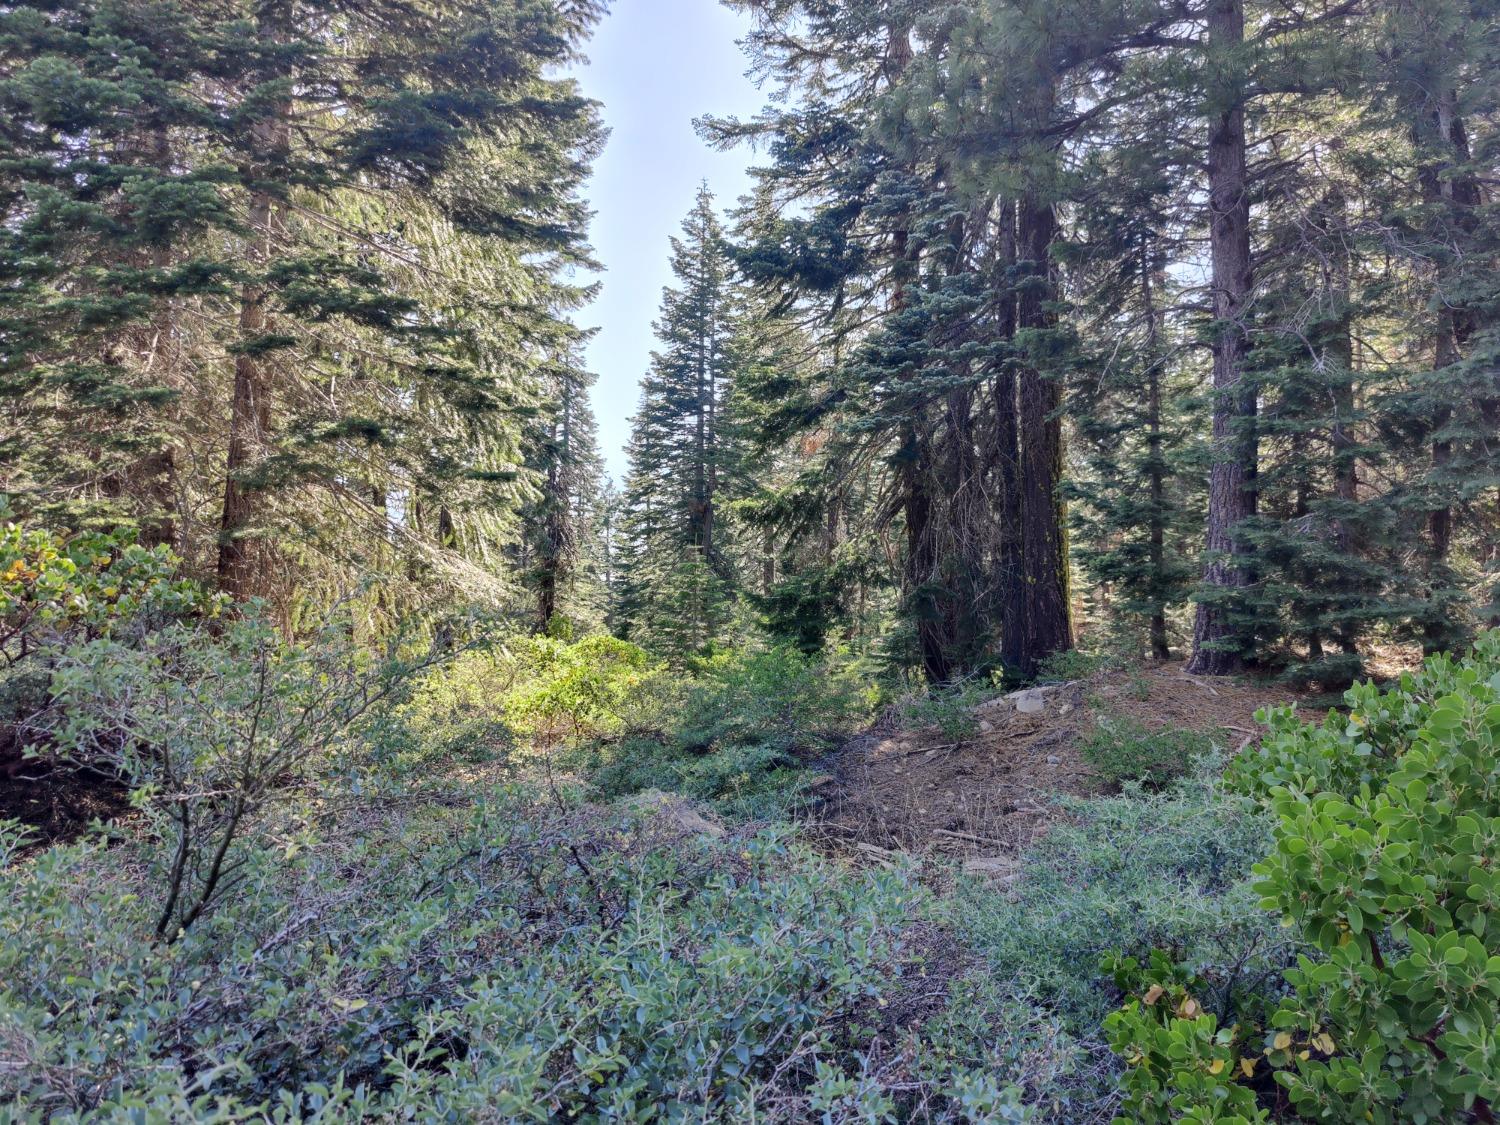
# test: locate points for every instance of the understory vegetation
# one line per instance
(540, 879)
(904, 717)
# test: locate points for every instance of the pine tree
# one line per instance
(562, 553)
(681, 575)
(261, 260)
(109, 224)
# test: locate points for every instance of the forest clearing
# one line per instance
(774, 561)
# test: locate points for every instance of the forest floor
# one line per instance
(57, 803)
(987, 798)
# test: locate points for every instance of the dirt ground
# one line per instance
(988, 798)
(55, 802)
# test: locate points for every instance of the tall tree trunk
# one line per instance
(1218, 646)
(1157, 468)
(913, 458)
(1455, 197)
(1343, 445)
(1010, 575)
(1048, 618)
(244, 549)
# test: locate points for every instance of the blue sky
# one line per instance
(656, 65)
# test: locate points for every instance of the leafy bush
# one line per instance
(591, 688)
(1125, 750)
(1131, 873)
(1385, 855)
(1078, 664)
(56, 587)
(1181, 1062)
(210, 727)
(951, 710)
(778, 699)
(740, 735)
(502, 701)
(512, 961)
(59, 589)
(754, 782)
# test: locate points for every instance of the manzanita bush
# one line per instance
(1386, 863)
(1387, 859)
(57, 586)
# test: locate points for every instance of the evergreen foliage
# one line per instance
(677, 545)
(264, 295)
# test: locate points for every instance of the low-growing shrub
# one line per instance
(508, 702)
(754, 782)
(210, 727)
(1079, 664)
(1125, 750)
(951, 710)
(1385, 860)
(1131, 873)
(59, 589)
(743, 737)
(1383, 863)
(777, 698)
(1181, 1063)
(514, 961)
(592, 688)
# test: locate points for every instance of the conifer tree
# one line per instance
(260, 262)
(561, 554)
(678, 559)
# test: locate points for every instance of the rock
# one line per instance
(1004, 869)
(676, 811)
(1031, 701)
(1065, 709)
(986, 727)
(1053, 760)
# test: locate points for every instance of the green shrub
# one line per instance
(777, 698)
(592, 688)
(1132, 873)
(951, 710)
(1077, 664)
(1181, 1062)
(503, 701)
(1385, 861)
(1124, 750)
(516, 961)
(741, 736)
(456, 712)
(59, 589)
(210, 728)
(753, 782)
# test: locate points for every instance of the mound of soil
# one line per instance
(988, 798)
(58, 803)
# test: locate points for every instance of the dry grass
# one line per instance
(991, 796)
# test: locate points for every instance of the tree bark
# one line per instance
(1047, 619)
(1459, 196)
(1157, 468)
(244, 549)
(1218, 646)
(1010, 575)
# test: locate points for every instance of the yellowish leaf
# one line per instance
(1216, 1067)
(1247, 1067)
(1282, 1041)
